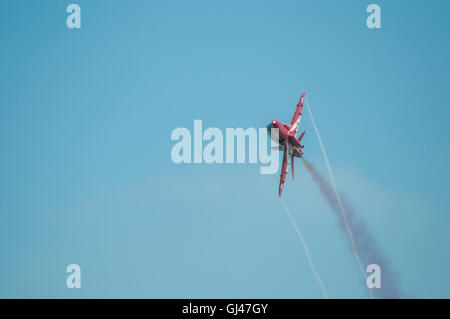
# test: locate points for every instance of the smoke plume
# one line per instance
(361, 240)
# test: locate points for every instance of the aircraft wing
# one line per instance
(284, 170)
(295, 123)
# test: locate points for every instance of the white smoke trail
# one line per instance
(338, 198)
(299, 233)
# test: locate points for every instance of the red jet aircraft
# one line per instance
(287, 141)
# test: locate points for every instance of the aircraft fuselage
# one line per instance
(284, 137)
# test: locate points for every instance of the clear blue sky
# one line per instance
(85, 170)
